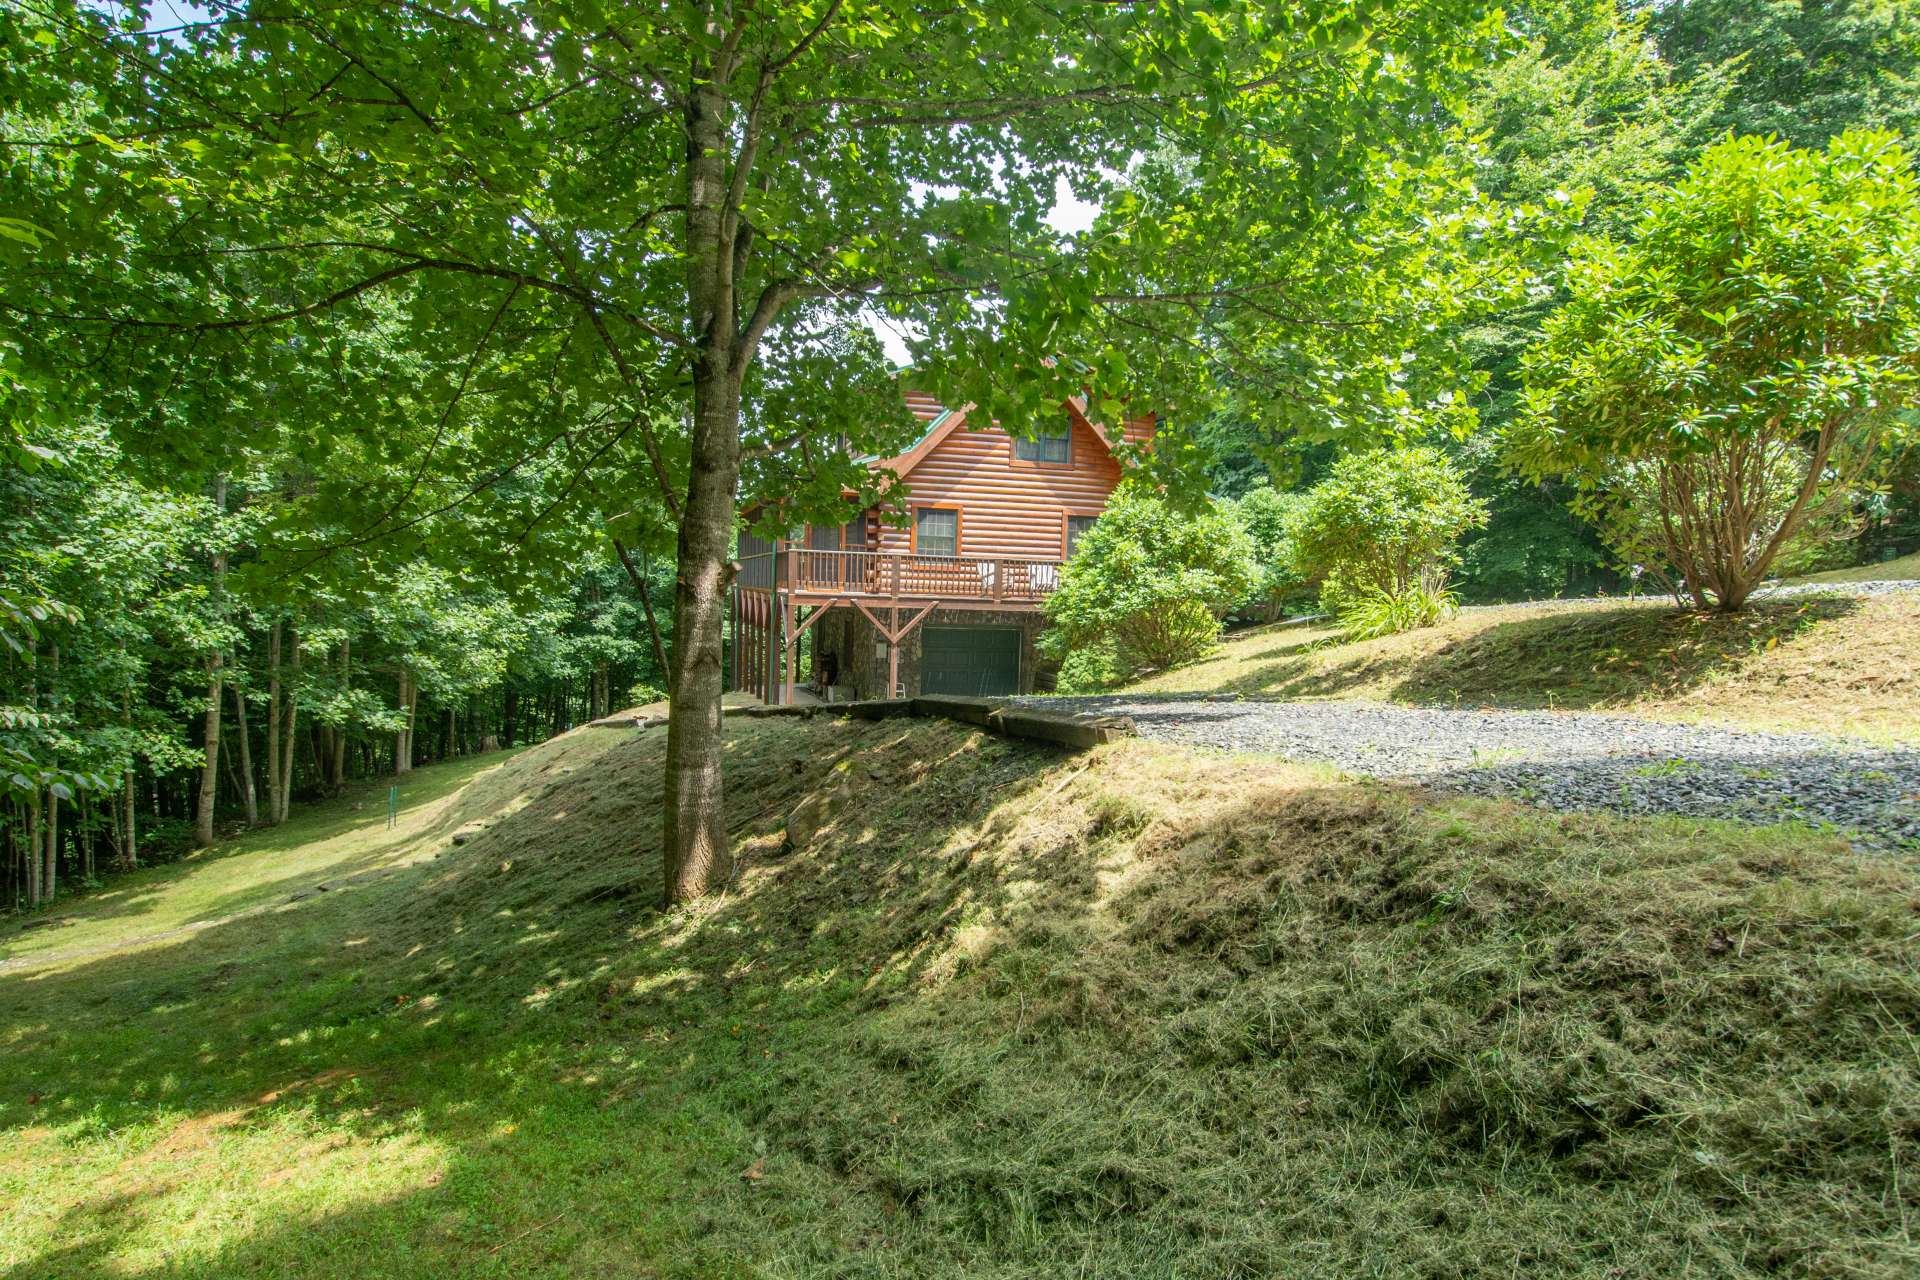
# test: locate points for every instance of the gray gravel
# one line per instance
(1562, 760)
(1876, 587)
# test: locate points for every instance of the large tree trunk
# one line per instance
(248, 797)
(694, 840)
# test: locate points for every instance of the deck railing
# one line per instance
(891, 574)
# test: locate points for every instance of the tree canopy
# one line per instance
(1748, 352)
(564, 257)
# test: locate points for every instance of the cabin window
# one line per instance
(1077, 525)
(1046, 447)
(936, 531)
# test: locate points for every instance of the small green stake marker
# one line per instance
(393, 806)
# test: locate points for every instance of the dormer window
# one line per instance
(1053, 447)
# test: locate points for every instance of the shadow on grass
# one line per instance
(351, 831)
(1610, 658)
(1587, 658)
(443, 1005)
(1146, 1014)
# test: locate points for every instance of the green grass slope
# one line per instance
(1828, 664)
(1903, 569)
(1013, 1013)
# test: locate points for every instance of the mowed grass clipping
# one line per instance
(1012, 1013)
(1830, 664)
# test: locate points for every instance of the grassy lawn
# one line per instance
(1905, 568)
(1831, 665)
(1136, 1013)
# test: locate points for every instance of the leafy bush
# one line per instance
(1089, 670)
(1378, 535)
(1264, 512)
(1722, 387)
(1148, 584)
(645, 695)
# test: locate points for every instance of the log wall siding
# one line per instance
(1008, 507)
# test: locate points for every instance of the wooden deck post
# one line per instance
(763, 673)
(749, 680)
(789, 658)
(893, 639)
(760, 689)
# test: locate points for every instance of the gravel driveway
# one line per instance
(1562, 760)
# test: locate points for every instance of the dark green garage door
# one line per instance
(980, 661)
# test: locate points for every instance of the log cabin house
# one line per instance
(945, 597)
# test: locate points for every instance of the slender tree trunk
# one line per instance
(51, 863)
(16, 853)
(292, 717)
(642, 580)
(273, 722)
(50, 888)
(248, 797)
(403, 737)
(337, 770)
(210, 766)
(210, 742)
(128, 857)
(130, 844)
(35, 876)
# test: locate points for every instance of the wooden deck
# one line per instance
(813, 576)
(781, 593)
